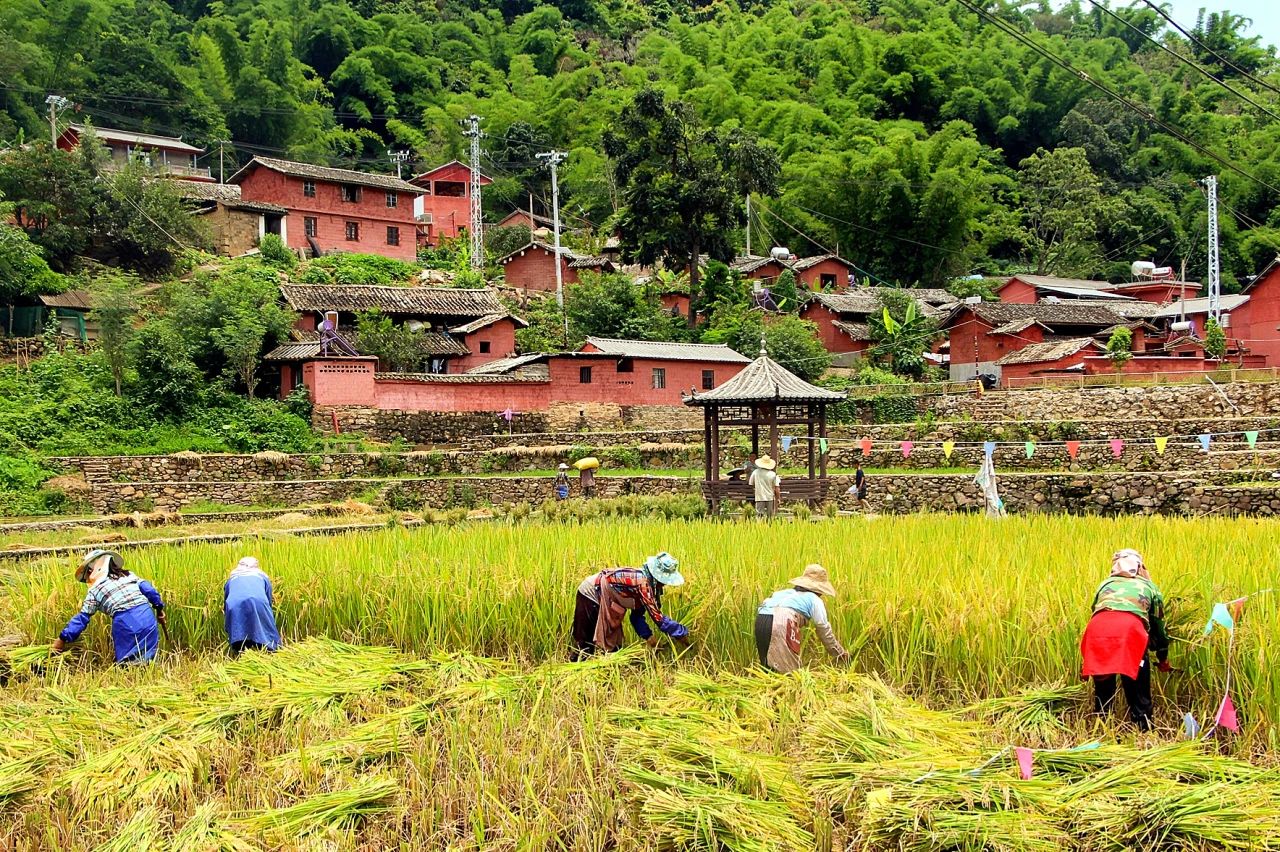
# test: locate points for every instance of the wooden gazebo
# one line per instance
(765, 395)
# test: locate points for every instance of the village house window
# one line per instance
(393, 236)
(708, 379)
(350, 192)
(309, 188)
(827, 280)
(392, 199)
(437, 366)
(659, 378)
(484, 347)
(353, 231)
(584, 375)
(309, 225)
(626, 365)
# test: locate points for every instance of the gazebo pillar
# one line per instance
(812, 448)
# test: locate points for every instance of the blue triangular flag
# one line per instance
(988, 447)
(786, 443)
(1190, 726)
(1086, 747)
(1220, 615)
(1204, 442)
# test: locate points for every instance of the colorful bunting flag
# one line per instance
(1227, 715)
(1161, 443)
(1073, 448)
(1030, 447)
(1117, 447)
(1204, 442)
(507, 415)
(947, 447)
(1236, 607)
(865, 444)
(1025, 757)
(1252, 437)
(786, 443)
(988, 448)
(1220, 616)
(1190, 727)
(907, 447)
(822, 446)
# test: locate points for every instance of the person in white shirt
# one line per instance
(768, 491)
(782, 615)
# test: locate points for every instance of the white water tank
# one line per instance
(1225, 321)
(1142, 268)
(780, 252)
(1184, 325)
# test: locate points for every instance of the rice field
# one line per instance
(424, 701)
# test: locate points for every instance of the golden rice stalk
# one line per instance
(1031, 716)
(337, 809)
(205, 832)
(139, 834)
(894, 820)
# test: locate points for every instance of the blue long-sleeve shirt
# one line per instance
(111, 596)
(248, 609)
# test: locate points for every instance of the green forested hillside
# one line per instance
(908, 130)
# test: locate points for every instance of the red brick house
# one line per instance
(1030, 289)
(1255, 324)
(443, 210)
(622, 372)
(1049, 357)
(843, 319)
(335, 209)
(981, 334)
(237, 226)
(821, 272)
(533, 267)
(464, 329)
(166, 154)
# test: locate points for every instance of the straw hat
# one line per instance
(665, 569)
(564, 466)
(91, 558)
(766, 462)
(815, 579)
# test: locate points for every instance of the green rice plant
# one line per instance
(141, 832)
(205, 831)
(1033, 715)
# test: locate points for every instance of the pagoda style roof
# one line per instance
(764, 380)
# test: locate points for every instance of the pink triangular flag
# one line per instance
(1117, 447)
(1024, 762)
(1227, 715)
(1073, 448)
(907, 446)
(865, 444)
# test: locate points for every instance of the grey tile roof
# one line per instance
(665, 351)
(861, 303)
(1015, 326)
(141, 140)
(486, 321)
(257, 207)
(1055, 281)
(510, 365)
(750, 263)
(1130, 310)
(855, 330)
(306, 345)
(415, 301)
(1050, 350)
(1061, 313)
(1201, 305)
(764, 380)
(1079, 293)
(810, 262)
(591, 262)
(325, 173)
(198, 190)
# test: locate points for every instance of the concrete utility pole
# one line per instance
(399, 158)
(477, 221)
(221, 142)
(554, 159)
(1215, 274)
(748, 224)
(57, 103)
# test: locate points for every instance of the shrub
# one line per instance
(347, 268)
(275, 253)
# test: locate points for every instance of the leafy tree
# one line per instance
(682, 186)
(166, 380)
(1063, 209)
(501, 242)
(23, 270)
(52, 193)
(115, 307)
(901, 334)
(398, 348)
(791, 341)
(615, 306)
(1215, 339)
(143, 221)
(1120, 348)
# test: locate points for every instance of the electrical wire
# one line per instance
(1198, 43)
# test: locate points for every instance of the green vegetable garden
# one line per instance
(424, 696)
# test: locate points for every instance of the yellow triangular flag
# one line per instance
(947, 447)
(1160, 444)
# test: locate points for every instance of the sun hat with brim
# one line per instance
(815, 579)
(664, 568)
(766, 462)
(563, 466)
(91, 558)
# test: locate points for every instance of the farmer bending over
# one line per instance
(247, 603)
(604, 597)
(134, 605)
(780, 617)
(1127, 622)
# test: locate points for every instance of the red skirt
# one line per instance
(1113, 643)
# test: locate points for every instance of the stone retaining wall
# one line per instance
(1161, 403)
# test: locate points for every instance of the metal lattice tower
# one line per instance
(553, 159)
(476, 230)
(1215, 277)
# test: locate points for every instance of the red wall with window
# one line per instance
(499, 339)
(833, 270)
(535, 269)
(1256, 323)
(330, 215)
(833, 339)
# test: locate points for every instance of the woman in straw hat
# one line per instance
(134, 605)
(780, 617)
(604, 597)
(768, 492)
(247, 609)
(1127, 623)
(562, 482)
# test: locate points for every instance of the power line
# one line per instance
(1198, 43)
(1012, 31)
(1239, 94)
(875, 231)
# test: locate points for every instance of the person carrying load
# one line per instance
(247, 609)
(782, 615)
(1127, 623)
(135, 607)
(604, 597)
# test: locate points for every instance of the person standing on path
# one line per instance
(603, 598)
(768, 490)
(562, 482)
(134, 605)
(859, 481)
(587, 482)
(782, 615)
(1127, 623)
(248, 609)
